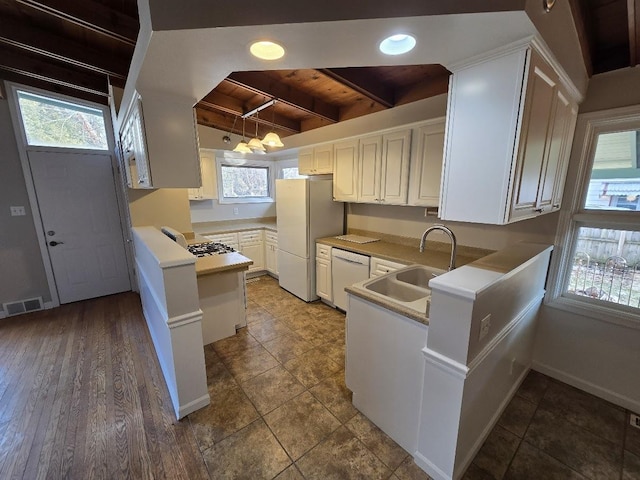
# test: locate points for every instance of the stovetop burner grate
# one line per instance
(208, 249)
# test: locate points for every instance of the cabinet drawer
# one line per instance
(323, 251)
(382, 267)
(271, 237)
(230, 239)
(250, 237)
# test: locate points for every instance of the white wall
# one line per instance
(411, 222)
(20, 260)
(164, 206)
(589, 352)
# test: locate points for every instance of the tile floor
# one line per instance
(280, 409)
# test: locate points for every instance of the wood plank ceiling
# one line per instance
(80, 47)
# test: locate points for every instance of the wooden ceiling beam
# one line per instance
(225, 103)
(20, 34)
(281, 122)
(362, 82)
(225, 122)
(261, 84)
(428, 88)
(633, 11)
(12, 61)
(91, 15)
(585, 33)
(50, 86)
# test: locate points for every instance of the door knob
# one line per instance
(51, 233)
(53, 243)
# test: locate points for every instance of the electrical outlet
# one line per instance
(635, 420)
(235, 210)
(485, 324)
(17, 211)
(513, 363)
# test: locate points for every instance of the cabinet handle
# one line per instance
(538, 210)
(556, 205)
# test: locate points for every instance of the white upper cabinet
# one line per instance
(316, 161)
(426, 164)
(396, 153)
(345, 171)
(369, 169)
(384, 168)
(207, 168)
(161, 149)
(134, 147)
(509, 130)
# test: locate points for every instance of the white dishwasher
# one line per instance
(347, 268)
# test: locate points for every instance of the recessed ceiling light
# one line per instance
(397, 44)
(266, 50)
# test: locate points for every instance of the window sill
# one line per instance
(227, 201)
(596, 311)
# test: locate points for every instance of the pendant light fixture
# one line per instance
(242, 146)
(272, 139)
(255, 144)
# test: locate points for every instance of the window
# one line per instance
(244, 181)
(288, 168)
(599, 270)
(49, 122)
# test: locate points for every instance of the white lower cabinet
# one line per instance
(252, 246)
(379, 266)
(271, 252)
(323, 272)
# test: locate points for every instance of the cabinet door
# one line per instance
(369, 164)
(345, 171)
(143, 175)
(565, 153)
(256, 253)
(323, 279)
(540, 99)
(207, 169)
(271, 258)
(305, 162)
(553, 179)
(323, 159)
(394, 183)
(426, 165)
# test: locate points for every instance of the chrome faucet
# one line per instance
(452, 237)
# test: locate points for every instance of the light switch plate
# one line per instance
(635, 420)
(485, 324)
(17, 211)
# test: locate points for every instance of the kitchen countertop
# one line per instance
(222, 263)
(436, 254)
(228, 226)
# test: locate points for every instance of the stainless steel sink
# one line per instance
(408, 287)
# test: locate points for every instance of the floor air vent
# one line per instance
(23, 306)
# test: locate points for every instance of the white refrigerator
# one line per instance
(305, 211)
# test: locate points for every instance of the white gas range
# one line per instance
(203, 249)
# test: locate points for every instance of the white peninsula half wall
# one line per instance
(187, 302)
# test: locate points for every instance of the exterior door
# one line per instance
(79, 210)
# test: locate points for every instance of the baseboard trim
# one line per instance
(592, 388)
(427, 466)
(194, 405)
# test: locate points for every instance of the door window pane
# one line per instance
(49, 122)
(614, 183)
(606, 266)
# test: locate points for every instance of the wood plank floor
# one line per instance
(82, 396)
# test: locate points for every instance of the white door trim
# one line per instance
(21, 142)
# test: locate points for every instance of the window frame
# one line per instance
(228, 160)
(574, 215)
(15, 88)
